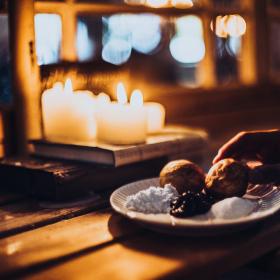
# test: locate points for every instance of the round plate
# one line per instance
(267, 200)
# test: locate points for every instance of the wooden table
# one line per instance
(92, 242)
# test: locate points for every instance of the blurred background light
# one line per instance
(234, 45)
(187, 49)
(85, 46)
(135, 2)
(116, 51)
(187, 46)
(182, 3)
(162, 3)
(124, 32)
(228, 25)
(156, 3)
(146, 32)
(48, 38)
(189, 26)
(236, 25)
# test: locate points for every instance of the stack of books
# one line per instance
(59, 171)
(172, 141)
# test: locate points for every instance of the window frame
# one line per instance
(247, 65)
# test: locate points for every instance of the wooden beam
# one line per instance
(25, 72)
(105, 9)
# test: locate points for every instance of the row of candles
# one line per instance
(70, 116)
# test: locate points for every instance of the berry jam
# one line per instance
(190, 204)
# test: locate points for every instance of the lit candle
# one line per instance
(122, 123)
(155, 114)
(68, 116)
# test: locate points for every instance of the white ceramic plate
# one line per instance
(267, 200)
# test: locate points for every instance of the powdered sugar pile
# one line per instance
(153, 200)
(232, 208)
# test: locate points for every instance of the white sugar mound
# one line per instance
(232, 208)
(153, 200)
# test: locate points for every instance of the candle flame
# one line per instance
(121, 94)
(136, 98)
(68, 86)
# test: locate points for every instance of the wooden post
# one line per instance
(25, 72)
(262, 31)
(69, 25)
(248, 63)
(207, 68)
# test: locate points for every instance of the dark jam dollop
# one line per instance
(190, 204)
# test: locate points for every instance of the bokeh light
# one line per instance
(156, 3)
(116, 51)
(48, 38)
(182, 3)
(228, 25)
(234, 46)
(85, 46)
(187, 46)
(162, 3)
(236, 26)
(126, 32)
(146, 32)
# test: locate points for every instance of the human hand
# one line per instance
(263, 146)
(265, 174)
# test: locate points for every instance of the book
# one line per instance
(171, 141)
(55, 180)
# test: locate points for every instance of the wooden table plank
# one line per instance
(26, 215)
(62, 239)
(155, 256)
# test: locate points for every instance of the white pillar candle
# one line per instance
(68, 116)
(122, 123)
(155, 114)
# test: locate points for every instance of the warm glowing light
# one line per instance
(136, 98)
(68, 86)
(121, 94)
(220, 27)
(182, 3)
(58, 87)
(13, 247)
(156, 3)
(103, 98)
(236, 26)
(162, 3)
(135, 2)
(229, 25)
